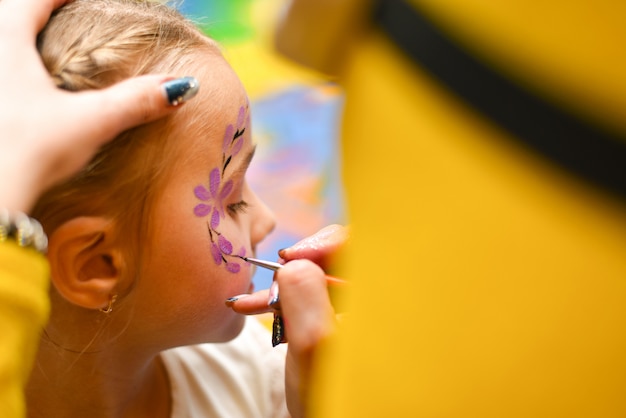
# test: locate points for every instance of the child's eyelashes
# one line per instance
(239, 207)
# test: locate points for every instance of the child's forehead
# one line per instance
(203, 128)
(220, 106)
(220, 87)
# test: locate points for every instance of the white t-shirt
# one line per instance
(243, 378)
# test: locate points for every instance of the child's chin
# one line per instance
(234, 328)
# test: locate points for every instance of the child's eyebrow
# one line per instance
(242, 167)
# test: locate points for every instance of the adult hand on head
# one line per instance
(48, 134)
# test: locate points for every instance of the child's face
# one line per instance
(204, 216)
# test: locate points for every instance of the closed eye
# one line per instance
(239, 207)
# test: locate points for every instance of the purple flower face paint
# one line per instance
(213, 197)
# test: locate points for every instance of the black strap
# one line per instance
(588, 150)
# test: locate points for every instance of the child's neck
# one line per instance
(102, 382)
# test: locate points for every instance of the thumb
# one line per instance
(134, 102)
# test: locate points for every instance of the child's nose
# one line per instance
(263, 220)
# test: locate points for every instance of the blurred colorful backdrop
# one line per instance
(295, 121)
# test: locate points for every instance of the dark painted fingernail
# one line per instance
(278, 330)
(180, 90)
(234, 299)
(281, 252)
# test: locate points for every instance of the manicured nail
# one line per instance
(234, 299)
(278, 330)
(281, 253)
(273, 298)
(180, 90)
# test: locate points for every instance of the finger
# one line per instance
(26, 17)
(250, 304)
(319, 246)
(305, 305)
(129, 103)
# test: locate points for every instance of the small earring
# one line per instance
(109, 307)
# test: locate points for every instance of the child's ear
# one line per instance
(86, 263)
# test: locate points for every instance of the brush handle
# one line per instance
(271, 265)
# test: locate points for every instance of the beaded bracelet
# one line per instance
(25, 231)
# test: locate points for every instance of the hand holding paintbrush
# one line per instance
(278, 326)
(307, 314)
(295, 275)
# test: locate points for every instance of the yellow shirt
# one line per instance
(487, 282)
(24, 309)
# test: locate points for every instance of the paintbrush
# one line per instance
(271, 265)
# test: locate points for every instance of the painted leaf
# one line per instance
(237, 145)
(241, 117)
(230, 157)
(228, 137)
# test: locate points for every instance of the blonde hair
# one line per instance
(92, 44)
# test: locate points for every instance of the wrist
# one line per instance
(23, 186)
